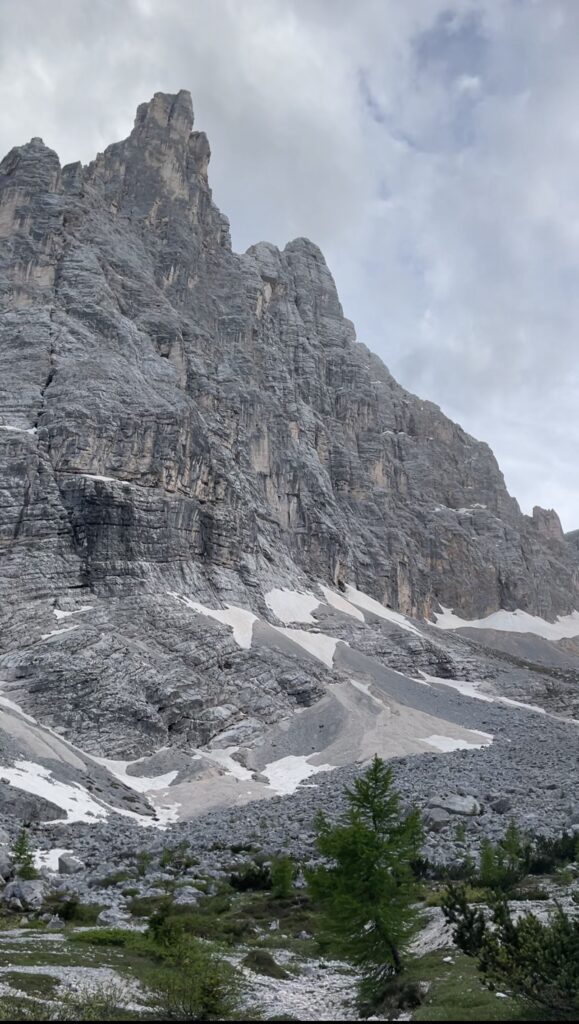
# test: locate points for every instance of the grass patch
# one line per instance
(456, 991)
(42, 986)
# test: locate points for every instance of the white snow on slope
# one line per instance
(340, 603)
(291, 606)
(49, 858)
(68, 753)
(77, 803)
(240, 620)
(464, 686)
(448, 744)
(57, 632)
(58, 614)
(285, 775)
(105, 479)
(369, 604)
(365, 688)
(225, 759)
(322, 646)
(18, 430)
(140, 783)
(470, 689)
(514, 622)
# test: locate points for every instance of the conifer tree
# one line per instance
(366, 887)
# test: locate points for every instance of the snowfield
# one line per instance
(565, 626)
(240, 620)
(290, 606)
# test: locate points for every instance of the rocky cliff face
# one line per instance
(178, 417)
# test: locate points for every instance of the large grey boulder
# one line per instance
(6, 863)
(113, 918)
(25, 895)
(455, 804)
(187, 896)
(435, 819)
(68, 864)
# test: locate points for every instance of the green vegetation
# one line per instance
(456, 991)
(537, 962)
(71, 910)
(177, 858)
(262, 962)
(283, 874)
(23, 857)
(143, 861)
(187, 979)
(366, 887)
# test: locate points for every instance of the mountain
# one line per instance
(197, 454)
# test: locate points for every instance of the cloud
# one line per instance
(429, 147)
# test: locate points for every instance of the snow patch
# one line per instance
(365, 689)
(322, 646)
(225, 759)
(140, 783)
(514, 622)
(73, 799)
(58, 614)
(285, 775)
(291, 606)
(105, 479)
(448, 743)
(49, 858)
(369, 604)
(240, 620)
(340, 603)
(464, 686)
(18, 430)
(57, 632)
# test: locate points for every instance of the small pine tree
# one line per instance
(283, 872)
(366, 888)
(506, 864)
(23, 857)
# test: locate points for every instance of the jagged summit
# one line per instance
(167, 111)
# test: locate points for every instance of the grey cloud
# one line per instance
(428, 147)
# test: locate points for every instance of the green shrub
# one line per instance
(505, 865)
(262, 962)
(23, 857)
(251, 877)
(177, 857)
(548, 854)
(204, 988)
(72, 910)
(283, 872)
(537, 963)
(142, 861)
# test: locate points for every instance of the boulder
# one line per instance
(187, 896)
(6, 867)
(455, 804)
(502, 805)
(24, 895)
(436, 818)
(69, 865)
(113, 917)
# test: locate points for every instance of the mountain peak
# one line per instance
(168, 112)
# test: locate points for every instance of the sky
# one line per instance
(429, 147)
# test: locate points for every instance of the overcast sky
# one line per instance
(430, 148)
